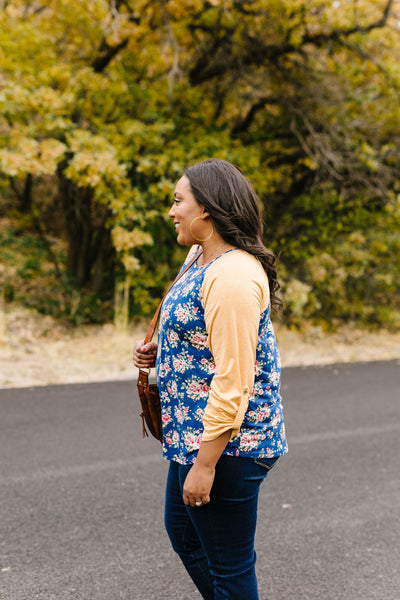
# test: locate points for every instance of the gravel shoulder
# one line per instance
(37, 350)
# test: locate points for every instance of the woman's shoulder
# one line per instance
(236, 273)
(236, 268)
(239, 261)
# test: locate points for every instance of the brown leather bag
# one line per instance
(149, 395)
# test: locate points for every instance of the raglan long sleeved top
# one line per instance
(218, 364)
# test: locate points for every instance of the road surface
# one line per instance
(81, 494)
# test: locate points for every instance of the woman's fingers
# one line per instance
(144, 355)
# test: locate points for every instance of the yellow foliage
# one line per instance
(357, 237)
(31, 156)
(297, 295)
(120, 97)
(125, 240)
(131, 263)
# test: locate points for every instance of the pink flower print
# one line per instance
(257, 390)
(175, 436)
(166, 418)
(208, 365)
(164, 368)
(275, 421)
(274, 378)
(264, 413)
(172, 336)
(248, 441)
(188, 288)
(194, 388)
(182, 314)
(179, 365)
(181, 413)
(192, 440)
(199, 339)
(257, 368)
(245, 439)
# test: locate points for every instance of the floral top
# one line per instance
(218, 364)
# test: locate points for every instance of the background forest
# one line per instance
(104, 103)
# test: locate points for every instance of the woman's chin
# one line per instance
(183, 241)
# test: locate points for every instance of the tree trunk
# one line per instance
(90, 252)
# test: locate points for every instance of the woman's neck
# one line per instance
(212, 249)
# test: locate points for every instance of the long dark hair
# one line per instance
(223, 190)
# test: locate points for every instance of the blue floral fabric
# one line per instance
(185, 369)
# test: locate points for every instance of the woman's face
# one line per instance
(184, 209)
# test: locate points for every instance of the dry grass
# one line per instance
(37, 350)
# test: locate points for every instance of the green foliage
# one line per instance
(343, 263)
(27, 276)
(102, 107)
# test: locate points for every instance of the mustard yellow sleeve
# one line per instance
(235, 293)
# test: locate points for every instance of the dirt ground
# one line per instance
(37, 350)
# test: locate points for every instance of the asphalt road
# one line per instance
(81, 494)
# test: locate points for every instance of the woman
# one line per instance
(218, 371)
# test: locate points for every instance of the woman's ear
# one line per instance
(205, 214)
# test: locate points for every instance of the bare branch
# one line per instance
(217, 57)
(106, 55)
(242, 125)
(367, 56)
(320, 38)
(328, 159)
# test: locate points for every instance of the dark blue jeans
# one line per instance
(216, 541)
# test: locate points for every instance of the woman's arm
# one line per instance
(200, 478)
(235, 292)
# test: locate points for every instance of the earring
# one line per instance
(200, 239)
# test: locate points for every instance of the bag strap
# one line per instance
(152, 326)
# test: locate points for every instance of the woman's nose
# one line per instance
(171, 212)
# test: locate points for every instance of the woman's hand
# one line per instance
(199, 480)
(198, 484)
(144, 355)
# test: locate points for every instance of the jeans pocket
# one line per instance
(267, 463)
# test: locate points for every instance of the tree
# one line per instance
(102, 109)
